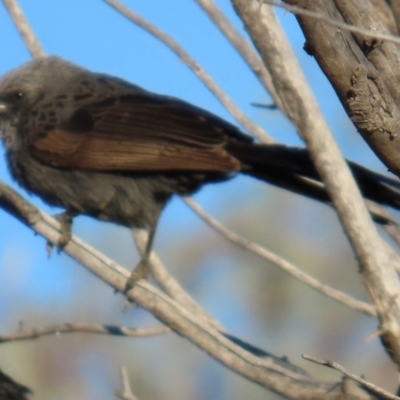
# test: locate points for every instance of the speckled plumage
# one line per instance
(97, 145)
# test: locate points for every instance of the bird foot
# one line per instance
(140, 271)
(65, 220)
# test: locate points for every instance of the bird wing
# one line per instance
(139, 132)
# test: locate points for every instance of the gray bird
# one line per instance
(97, 145)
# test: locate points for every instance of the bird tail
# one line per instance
(291, 168)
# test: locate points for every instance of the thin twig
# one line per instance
(261, 370)
(201, 73)
(243, 47)
(127, 394)
(370, 386)
(169, 284)
(78, 327)
(280, 262)
(29, 37)
(348, 27)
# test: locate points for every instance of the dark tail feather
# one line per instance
(291, 168)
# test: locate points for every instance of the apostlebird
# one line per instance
(98, 145)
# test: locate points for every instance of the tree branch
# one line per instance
(280, 262)
(368, 385)
(377, 265)
(168, 283)
(76, 327)
(243, 47)
(200, 72)
(301, 11)
(127, 394)
(29, 37)
(268, 371)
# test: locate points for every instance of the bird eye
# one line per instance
(19, 95)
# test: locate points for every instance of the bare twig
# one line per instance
(370, 386)
(244, 48)
(264, 371)
(373, 336)
(280, 262)
(168, 283)
(113, 330)
(201, 73)
(24, 29)
(348, 27)
(127, 394)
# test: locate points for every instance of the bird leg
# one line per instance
(142, 269)
(65, 219)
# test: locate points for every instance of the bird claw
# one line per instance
(65, 220)
(140, 271)
(49, 248)
(64, 238)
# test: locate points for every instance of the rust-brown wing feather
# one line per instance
(138, 133)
